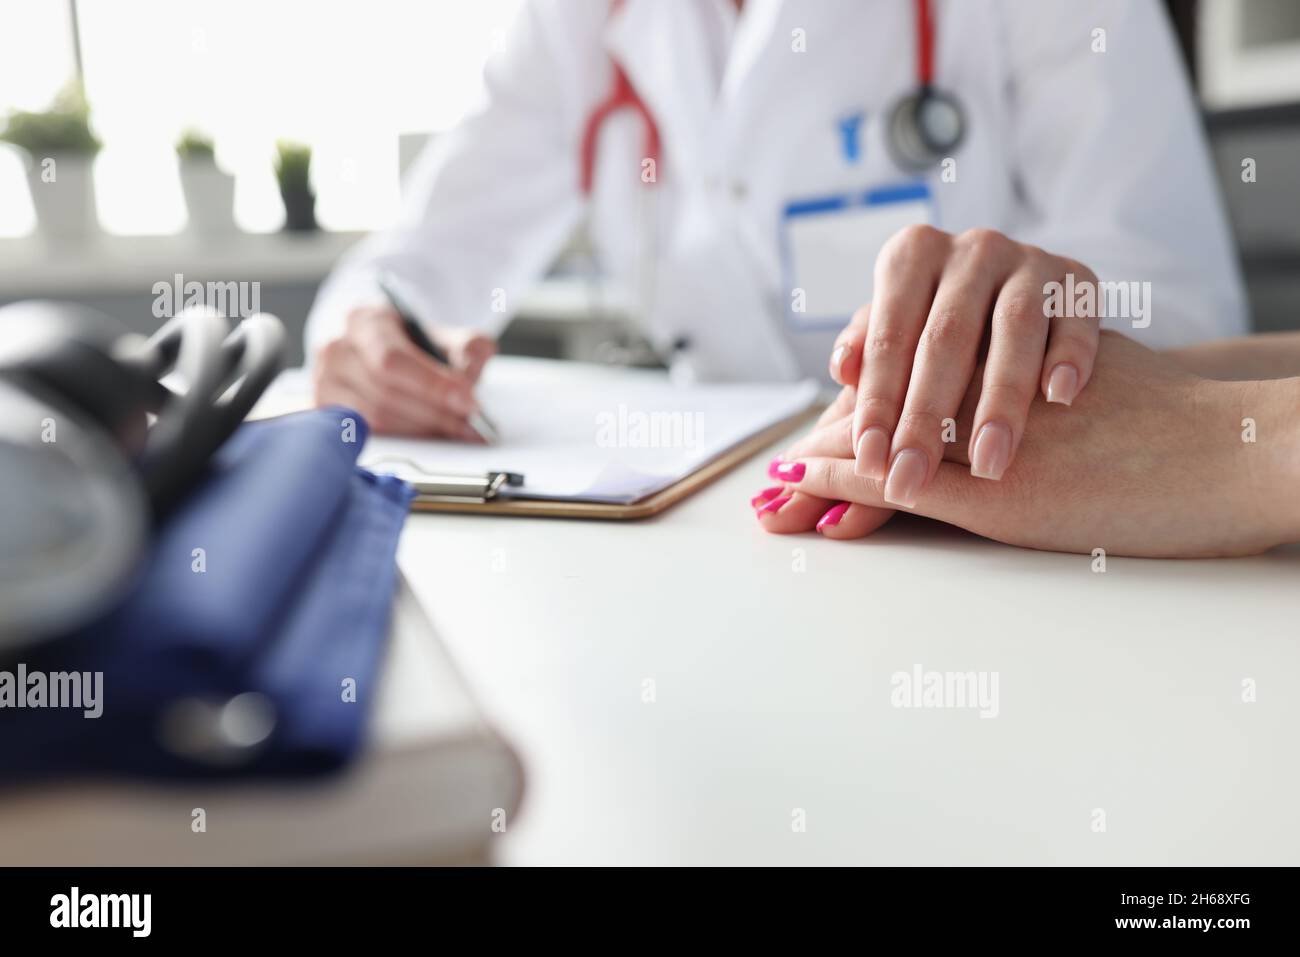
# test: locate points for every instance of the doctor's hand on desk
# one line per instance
(1153, 461)
(942, 304)
(375, 368)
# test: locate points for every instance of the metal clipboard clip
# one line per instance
(439, 486)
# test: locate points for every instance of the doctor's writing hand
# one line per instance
(942, 304)
(375, 368)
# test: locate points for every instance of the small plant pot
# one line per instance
(209, 198)
(63, 195)
(299, 210)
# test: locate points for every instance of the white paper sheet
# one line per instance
(593, 433)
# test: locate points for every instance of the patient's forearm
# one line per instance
(1274, 355)
(1274, 410)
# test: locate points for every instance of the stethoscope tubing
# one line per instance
(911, 143)
(223, 373)
(623, 95)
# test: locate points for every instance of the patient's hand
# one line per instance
(1150, 461)
(786, 509)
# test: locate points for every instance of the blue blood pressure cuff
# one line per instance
(250, 640)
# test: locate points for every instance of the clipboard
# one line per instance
(479, 494)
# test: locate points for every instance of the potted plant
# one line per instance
(61, 149)
(209, 190)
(293, 172)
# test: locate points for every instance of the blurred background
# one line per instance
(189, 98)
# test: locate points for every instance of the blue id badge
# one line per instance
(829, 248)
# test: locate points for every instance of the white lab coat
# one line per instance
(1094, 155)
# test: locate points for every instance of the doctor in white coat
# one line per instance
(740, 164)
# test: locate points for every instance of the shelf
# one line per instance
(131, 265)
(32, 267)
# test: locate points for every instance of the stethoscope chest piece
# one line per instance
(925, 128)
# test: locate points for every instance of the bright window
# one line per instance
(345, 77)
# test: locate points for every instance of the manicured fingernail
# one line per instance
(460, 402)
(774, 505)
(787, 471)
(837, 360)
(832, 516)
(992, 451)
(765, 496)
(872, 453)
(905, 477)
(1063, 384)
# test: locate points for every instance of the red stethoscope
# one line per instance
(924, 127)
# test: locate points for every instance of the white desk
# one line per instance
(1120, 691)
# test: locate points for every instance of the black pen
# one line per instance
(478, 421)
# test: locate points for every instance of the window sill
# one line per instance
(31, 267)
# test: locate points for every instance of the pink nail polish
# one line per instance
(765, 496)
(905, 478)
(787, 471)
(832, 516)
(872, 453)
(774, 505)
(1063, 384)
(992, 451)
